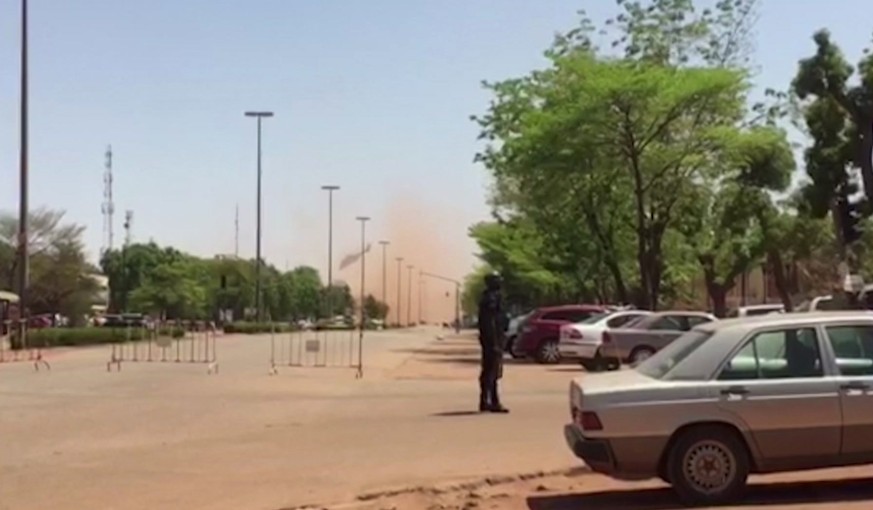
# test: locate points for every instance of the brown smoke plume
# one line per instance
(432, 238)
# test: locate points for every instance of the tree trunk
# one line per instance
(774, 259)
(718, 296)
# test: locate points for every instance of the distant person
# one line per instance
(492, 328)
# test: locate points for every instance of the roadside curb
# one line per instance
(366, 500)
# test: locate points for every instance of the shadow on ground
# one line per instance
(831, 491)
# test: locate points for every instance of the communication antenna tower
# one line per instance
(128, 226)
(108, 206)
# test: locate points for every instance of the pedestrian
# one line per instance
(492, 332)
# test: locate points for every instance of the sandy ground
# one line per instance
(157, 436)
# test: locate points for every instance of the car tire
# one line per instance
(590, 365)
(548, 353)
(708, 466)
(640, 354)
(510, 348)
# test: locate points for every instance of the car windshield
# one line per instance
(595, 318)
(663, 361)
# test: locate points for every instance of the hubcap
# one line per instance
(551, 352)
(709, 467)
(642, 356)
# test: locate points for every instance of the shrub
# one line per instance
(254, 328)
(71, 337)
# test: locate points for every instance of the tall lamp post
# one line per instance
(258, 311)
(399, 288)
(457, 296)
(330, 188)
(23, 258)
(363, 220)
(420, 298)
(385, 273)
(409, 295)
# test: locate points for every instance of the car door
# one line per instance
(666, 329)
(776, 384)
(852, 348)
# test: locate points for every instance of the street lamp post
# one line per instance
(399, 288)
(457, 296)
(420, 298)
(329, 304)
(409, 296)
(258, 311)
(23, 258)
(385, 273)
(363, 220)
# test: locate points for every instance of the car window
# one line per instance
(659, 365)
(853, 349)
(669, 323)
(594, 318)
(621, 320)
(578, 315)
(554, 316)
(696, 320)
(779, 354)
(636, 322)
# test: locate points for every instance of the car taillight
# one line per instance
(589, 420)
(607, 338)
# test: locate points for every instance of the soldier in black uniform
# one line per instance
(492, 328)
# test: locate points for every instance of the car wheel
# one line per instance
(590, 365)
(510, 348)
(640, 354)
(708, 466)
(548, 352)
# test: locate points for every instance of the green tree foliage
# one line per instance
(165, 281)
(375, 309)
(60, 276)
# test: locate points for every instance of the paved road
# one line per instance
(158, 436)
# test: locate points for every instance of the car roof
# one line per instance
(690, 313)
(561, 308)
(765, 306)
(786, 319)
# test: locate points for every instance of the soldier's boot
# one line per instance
(496, 406)
(484, 396)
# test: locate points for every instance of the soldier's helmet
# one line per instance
(493, 281)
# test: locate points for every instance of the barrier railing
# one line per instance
(314, 349)
(195, 345)
(14, 347)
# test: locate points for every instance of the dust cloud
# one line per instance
(432, 238)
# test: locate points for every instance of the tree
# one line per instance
(340, 298)
(307, 293)
(60, 276)
(172, 292)
(375, 309)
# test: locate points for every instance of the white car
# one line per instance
(582, 340)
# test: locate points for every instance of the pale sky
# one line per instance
(372, 95)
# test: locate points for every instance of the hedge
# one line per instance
(70, 337)
(254, 328)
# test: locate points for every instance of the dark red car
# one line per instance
(541, 332)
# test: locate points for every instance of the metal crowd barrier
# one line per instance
(197, 345)
(14, 346)
(314, 349)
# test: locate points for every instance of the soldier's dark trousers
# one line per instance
(489, 374)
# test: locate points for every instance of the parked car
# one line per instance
(752, 310)
(541, 332)
(512, 332)
(583, 340)
(644, 337)
(756, 395)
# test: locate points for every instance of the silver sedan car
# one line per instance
(757, 395)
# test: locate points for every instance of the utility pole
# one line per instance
(399, 288)
(420, 298)
(329, 295)
(128, 224)
(409, 296)
(258, 313)
(363, 220)
(236, 233)
(385, 274)
(24, 210)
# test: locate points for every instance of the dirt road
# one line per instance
(170, 436)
